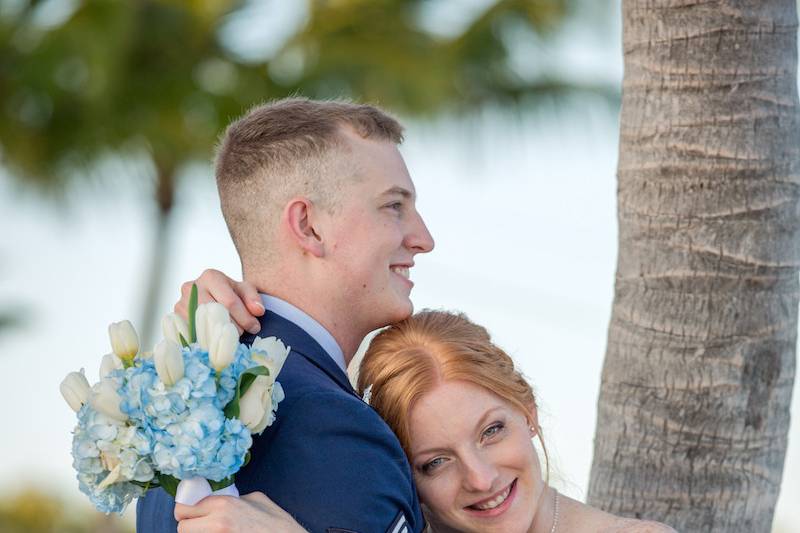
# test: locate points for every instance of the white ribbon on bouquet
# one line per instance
(192, 490)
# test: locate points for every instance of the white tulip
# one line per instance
(106, 400)
(168, 358)
(124, 341)
(109, 363)
(173, 327)
(224, 340)
(75, 389)
(206, 317)
(255, 406)
(275, 354)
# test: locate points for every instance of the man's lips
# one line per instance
(401, 270)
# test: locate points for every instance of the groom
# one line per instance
(320, 207)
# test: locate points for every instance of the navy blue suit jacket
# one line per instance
(328, 458)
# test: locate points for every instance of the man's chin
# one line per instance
(400, 311)
(406, 312)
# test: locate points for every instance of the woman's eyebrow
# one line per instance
(486, 416)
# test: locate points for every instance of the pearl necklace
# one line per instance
(555, 514)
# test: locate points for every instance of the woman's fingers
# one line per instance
(235, 301)
(251, 512)
(249, 295)
(241, 299)
(204, 282)
(185, 512)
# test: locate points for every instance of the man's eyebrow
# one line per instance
(405, 193)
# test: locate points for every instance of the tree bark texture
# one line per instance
(693, 413)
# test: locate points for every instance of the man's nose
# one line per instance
(418, 238)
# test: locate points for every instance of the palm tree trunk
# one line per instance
(693, 413)
(151, 315)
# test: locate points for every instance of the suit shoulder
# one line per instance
(337, 408)
(299, 377)
(314, 407)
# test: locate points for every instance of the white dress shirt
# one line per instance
(302, 320)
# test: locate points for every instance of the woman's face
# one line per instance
(473, 460)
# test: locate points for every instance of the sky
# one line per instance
(523, 213)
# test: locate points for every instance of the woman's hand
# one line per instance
(240, 298)
(226, 514)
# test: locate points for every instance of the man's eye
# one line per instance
(397, 206)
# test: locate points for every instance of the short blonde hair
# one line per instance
(410, 358)
(288, 147)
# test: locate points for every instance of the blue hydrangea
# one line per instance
(101, 444)
(179, 430)
(277, 397)
(185, 422)
(230, 375)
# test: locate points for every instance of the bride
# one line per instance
(466, 419)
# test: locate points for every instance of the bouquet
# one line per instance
(181, 417)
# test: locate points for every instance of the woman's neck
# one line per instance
(545, 516)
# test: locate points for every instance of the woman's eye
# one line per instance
(493, 430)
(430, 466)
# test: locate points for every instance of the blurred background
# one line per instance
(110, 111)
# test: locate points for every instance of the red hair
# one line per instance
(410, 358)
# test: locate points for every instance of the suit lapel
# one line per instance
(302, 344)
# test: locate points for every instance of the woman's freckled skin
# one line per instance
(476, 463)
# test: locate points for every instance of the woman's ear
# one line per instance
(299, 216)
(533, 419)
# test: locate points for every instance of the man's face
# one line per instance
(375, 234)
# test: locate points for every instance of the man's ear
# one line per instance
(300, 217)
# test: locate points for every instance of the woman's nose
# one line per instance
(479, 474)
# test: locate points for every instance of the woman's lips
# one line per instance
(496, 505)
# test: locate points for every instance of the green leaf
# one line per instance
(168, 483)
(192, 313)
(259, 370)
(232, 409)
(245, 380)
(246, 459)
(216, 485)
(183, 341)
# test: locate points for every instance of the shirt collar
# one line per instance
(301, 319)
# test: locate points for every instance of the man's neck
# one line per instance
(334, 320)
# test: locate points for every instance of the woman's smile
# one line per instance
(494, 505)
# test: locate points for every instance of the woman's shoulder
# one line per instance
(631, 525)
(587, 518)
